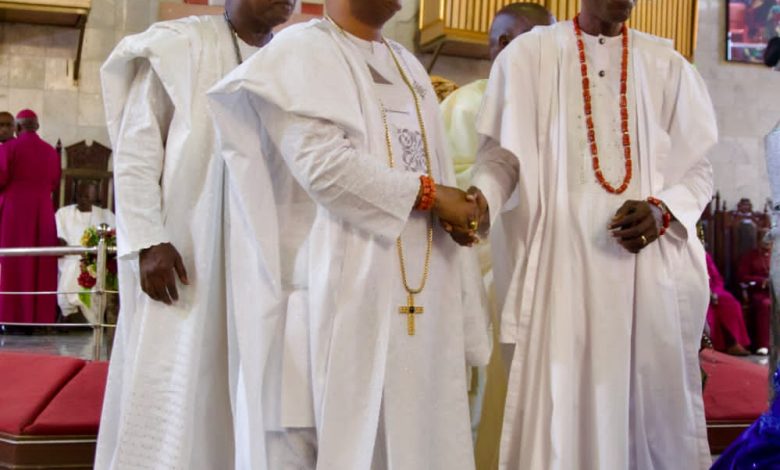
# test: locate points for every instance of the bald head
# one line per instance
(513, 20)
(6, 126)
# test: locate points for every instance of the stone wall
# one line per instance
(745, 97)
(36, 68)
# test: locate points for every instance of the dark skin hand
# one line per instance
(159, 266)
(633, 220)
(455, 210)
(484, 210)
(465, 235)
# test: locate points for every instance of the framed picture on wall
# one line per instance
(751, 24)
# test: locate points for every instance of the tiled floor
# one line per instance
(74, 342)
(79, 343)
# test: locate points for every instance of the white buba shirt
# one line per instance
(71, 224)
(167, 399)
(605, 370)
(323, 210)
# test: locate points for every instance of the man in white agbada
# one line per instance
(459, 112)
(605, 314)
(312, 193)
(72, 221)
(772, 148)
(167, 399)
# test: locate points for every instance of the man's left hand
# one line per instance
(635, 225)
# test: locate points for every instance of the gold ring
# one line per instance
(644, 240)
(473, 225)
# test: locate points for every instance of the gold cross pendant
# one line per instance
(410, 310)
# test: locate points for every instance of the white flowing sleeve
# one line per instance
(60, 223)
(496, 174)
(692, 130)
(355, 187)
(772, 143)
(138, 163)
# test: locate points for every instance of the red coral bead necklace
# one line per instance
(586, 97)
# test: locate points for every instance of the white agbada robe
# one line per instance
(327, 257)
(71, 224)
(605, 370)
(167, 399)
(772, 148)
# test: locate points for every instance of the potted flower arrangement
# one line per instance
(88, 277)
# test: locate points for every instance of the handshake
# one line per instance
(464, 215)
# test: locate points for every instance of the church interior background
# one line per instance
(50, 55)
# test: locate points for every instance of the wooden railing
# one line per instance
(468, 21)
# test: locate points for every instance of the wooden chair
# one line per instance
(87, 162)
(729, 234)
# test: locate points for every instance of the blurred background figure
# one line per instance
(724, 316)
(459, 113)
(772, 153)
(29, 173)
(6, 127)
(72, 221)
(754, 272)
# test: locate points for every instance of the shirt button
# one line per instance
(602, 73)
(602, 41)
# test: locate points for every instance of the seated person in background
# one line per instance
(724, 316)
(72, 221)
(754, 271)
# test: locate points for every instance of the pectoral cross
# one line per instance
(410, 310)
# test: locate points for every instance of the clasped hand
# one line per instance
(636, 225)
(464, 215)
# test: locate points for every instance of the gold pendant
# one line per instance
(410, 310)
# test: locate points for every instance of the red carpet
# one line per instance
(76, 409)
(30, 382)
(49, 411)
(50, 395)
(736, 389)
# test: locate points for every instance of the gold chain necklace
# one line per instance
(234, 37)
(410, 309)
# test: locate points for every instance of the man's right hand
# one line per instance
(457, 211)
(159, 266)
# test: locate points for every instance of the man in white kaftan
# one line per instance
(72, 221)
(312, 192)
(459, 112)
(167, 402)
(772, 147)
(605, 369)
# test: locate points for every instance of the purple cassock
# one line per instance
(29, 172)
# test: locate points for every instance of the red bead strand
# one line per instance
(586, 98)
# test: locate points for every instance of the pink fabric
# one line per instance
(754, 267)
(727, 324)
(29, 172)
